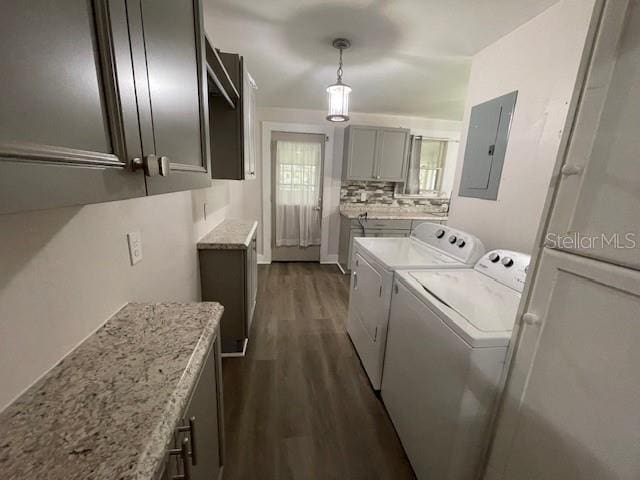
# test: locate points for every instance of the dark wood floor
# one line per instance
(299, 405)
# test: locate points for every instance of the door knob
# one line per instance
(531, 319)
(569, 169)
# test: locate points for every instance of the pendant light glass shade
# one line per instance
(338, 93)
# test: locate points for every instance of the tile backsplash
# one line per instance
(380, 193)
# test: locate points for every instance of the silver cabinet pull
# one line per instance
(191, 428)
(183, 453)
(164, 166)
(152, 165)
(355, 280)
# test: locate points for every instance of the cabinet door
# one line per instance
(598, 198)
(391, 162)
(361, 153)
(68, 121)
(574, 387)
(170, 70)
(249, 122)
(205, 412)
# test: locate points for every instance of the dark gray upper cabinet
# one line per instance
(232, 118)
(375, 153)
(487, 138)
(68, 118)
(167, 40)
(86, 91)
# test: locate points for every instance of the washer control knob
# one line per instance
(439, 233)
(507, 262)
(461, 243)
(494, 257)
(452, 239)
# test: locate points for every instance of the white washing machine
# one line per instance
(446, 346)
(372, 267)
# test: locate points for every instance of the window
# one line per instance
(431, 165)
(426, 168)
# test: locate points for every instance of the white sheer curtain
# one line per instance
(298, 187)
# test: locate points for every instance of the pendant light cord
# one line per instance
(340, 68)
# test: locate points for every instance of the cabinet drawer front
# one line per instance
(383, 224)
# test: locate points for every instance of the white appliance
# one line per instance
(448, 336)
(372, 266)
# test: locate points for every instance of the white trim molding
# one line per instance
(327, 201)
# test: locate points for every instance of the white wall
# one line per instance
(63, 272)
(252, 193)
(540, 60)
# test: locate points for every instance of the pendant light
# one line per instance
(338, 93)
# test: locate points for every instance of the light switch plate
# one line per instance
(135, 247)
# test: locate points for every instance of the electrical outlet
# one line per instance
(135, 247)
(363, 196)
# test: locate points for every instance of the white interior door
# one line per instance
(297, 162)
(572, 401)
(598, 199)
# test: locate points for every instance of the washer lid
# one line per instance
(487, 305)
(405, 253)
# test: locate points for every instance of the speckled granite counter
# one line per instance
(229, 235)
(108, 409)
(392, 213)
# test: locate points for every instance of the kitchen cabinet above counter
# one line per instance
(110, 409)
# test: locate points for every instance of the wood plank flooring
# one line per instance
(299, 405)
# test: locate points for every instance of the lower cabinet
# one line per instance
(197, 452)
(230, 276)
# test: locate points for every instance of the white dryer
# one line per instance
(446, 346)
(372, 267)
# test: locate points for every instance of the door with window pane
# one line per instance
(297, 164)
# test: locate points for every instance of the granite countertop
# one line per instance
(108, 409)
(229, 235)
(392, 213)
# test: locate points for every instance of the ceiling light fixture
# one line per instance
(338, 93)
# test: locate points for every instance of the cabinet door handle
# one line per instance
(355, 280)
(152, 165)
(183, 453)
(164, 166)
(191, 428)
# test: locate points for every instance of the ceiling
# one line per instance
(408, 57)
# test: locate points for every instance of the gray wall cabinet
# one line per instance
(231, 278)
(80, 82)
(375, 153)
(487, 138)
(234, 150)
(351, 228)
(201, 433)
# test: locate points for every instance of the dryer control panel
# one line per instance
(505, 266)
(462, 246)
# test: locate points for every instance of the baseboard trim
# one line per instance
(237, 354)
(329, 259)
